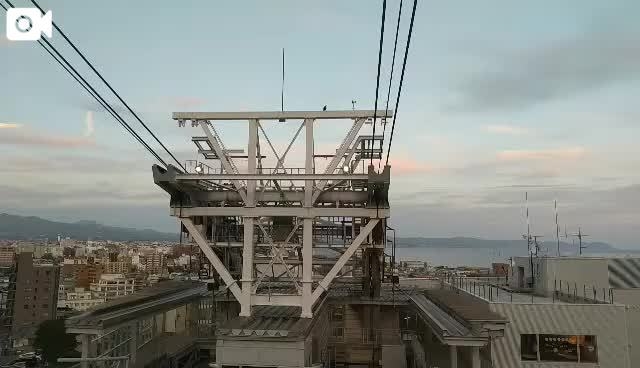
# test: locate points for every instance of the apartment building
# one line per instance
(7, 254)
(33, 294)
(111, 286)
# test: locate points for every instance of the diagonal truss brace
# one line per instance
(213, 258)
(273, 259)
(223, 159)
(344, 146)
(326, 281)
(277, 256)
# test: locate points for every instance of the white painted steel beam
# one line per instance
(247, 267)
(282, 211)
(278, 115)
(326, 282)
(213, 258)
(223, 159)
(307, 268)
(344, 146)
(241, 176)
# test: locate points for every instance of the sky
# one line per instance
(500, 98)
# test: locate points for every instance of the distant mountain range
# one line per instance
(31, 227)
(463, 242)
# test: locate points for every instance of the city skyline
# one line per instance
(494, 104)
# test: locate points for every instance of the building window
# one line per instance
(529, 347)
(337, 314)
(558, 348)
(588, 349)
(26, 306)
(45, 305)
(338, 333)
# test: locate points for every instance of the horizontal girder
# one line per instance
(279, 115)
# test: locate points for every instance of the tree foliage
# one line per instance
(53, 341)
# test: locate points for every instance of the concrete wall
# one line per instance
(260, 353)
(607, 322)
(576, 272)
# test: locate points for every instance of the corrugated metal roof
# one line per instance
(162, 296)
(466, 306)
(268, 321)
(446, 324)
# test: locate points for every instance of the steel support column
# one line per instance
(475, 357)
(453, 356)
(307, 268)
(251, 162)
(247, 267)
(85, 342)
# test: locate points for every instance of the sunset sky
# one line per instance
(500, 97)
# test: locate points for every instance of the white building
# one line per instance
(111, 286)
(568, 311)
(80, 300)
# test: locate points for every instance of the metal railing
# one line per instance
(492, 290)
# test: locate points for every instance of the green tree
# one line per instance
(53, 341)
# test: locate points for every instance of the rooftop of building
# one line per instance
(268, 322)
(161, 296)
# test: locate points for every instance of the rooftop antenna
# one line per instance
(527, 236)
(555, 208)
(580, 235)
(282, 88)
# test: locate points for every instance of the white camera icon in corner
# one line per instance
(27, 24)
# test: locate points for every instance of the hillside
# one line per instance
(464, 242)
(21, 227)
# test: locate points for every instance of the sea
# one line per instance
(477, 257)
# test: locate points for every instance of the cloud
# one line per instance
(89, 125)
(562, 154)
(10, 125)
(538, 74)
(505, 129)
(48, 141)
(183, 102)
(405, 165)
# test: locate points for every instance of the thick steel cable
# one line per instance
(393, 63)
(375, 109)
(110, 88)
(404, 65)
(71, 70)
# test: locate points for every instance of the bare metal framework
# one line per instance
(248, 224)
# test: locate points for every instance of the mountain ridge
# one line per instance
(16, 227)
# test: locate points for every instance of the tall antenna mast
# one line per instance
(528, 235)
(580, 235)
(555, 207)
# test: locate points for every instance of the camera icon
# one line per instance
(27, 24)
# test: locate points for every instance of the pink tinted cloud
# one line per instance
(10, 125)
(569, 153)
(407, 166)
